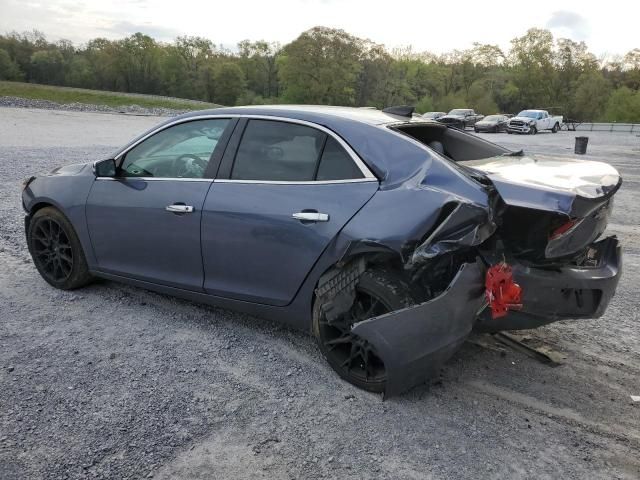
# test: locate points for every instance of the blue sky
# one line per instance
(608, 28)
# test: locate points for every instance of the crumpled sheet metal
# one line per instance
(467, 225)
(560, 185)
(414, 342)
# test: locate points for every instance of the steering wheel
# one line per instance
(183, 163)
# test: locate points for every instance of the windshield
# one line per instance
(459, 111)
(528, 114)
(493, 118)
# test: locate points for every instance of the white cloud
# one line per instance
(569, 24)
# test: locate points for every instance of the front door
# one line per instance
(290, 190)
(145, 222)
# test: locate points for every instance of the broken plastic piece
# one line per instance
(502, 293)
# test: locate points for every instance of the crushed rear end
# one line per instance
(531, 253)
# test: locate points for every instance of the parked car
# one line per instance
(533, 121)
(434, 115)
(461, 118)
(492, 123)
(291, 213)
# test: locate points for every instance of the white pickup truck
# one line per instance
(532, 121)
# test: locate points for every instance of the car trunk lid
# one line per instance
(560, 185)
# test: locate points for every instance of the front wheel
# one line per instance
(56, 250)
(533, 130)
(353, 358)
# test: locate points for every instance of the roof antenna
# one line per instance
(400, 110)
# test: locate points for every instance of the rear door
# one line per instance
(144, 223)
(285, 190)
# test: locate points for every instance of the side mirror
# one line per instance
(105, 168)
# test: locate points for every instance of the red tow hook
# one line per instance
(503, 294)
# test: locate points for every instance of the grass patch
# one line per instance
(96, 97)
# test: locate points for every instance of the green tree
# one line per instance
(47, 66)
(228, 81)
(623, 106)
(9, 69)
(631, 62)
(259, 63)
(532, 68)
(321, 66)
(424, 105)
(591, 96)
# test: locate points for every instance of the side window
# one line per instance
(336, 164)
(181, 151)
(277, 151)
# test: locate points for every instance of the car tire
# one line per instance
(533, 130)
(56, 250)
(555, 128)
(335, 341)
(509, 132)
(476, 130)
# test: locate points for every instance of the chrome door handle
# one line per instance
(311, 216)
(177, 208)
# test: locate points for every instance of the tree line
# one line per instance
(330, 66)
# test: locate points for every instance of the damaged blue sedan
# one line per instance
(388, 236)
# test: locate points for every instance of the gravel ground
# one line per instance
(116, 382)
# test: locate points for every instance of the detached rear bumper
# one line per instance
(571, 292)
(414, 342)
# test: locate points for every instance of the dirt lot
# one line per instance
(117, 382)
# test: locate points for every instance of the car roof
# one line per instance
(370, 116)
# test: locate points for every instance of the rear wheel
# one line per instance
(353, 358)
(555, 128)
(56, 250)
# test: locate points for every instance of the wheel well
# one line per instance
(40, 206)
(373, 258)
(34, 209)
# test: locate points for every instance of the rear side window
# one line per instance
(336, 164)
(280, 151)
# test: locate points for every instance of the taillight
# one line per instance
(562, 229)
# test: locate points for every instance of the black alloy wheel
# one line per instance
(56, 250)
(52, 250)
(352, 357)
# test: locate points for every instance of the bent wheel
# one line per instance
(56, 250)
(352, 357)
